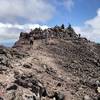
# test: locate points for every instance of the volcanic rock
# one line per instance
(60, 64)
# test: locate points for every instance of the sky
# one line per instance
(22, 15)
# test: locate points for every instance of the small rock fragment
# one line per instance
(86, 97)
(28, 65)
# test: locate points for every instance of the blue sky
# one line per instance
(23, 15)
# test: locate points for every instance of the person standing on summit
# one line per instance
(31, 39)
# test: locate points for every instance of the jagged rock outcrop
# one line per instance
(39, 34)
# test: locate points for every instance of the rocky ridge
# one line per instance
(59, 65)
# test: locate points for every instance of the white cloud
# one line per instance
(22, 27)
(12, 31)
(13, 13)
(98, 12)
(91, 30)
(36, 11)
(9, 33)
(30, 10)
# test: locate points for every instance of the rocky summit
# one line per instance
(51, 64)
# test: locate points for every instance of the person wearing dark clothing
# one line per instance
(62, 26)
(31, 40)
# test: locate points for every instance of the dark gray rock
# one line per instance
(1, 98)
(12, 87)
(59, 96)
(28, 65)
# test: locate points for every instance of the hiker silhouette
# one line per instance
(31, 40)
